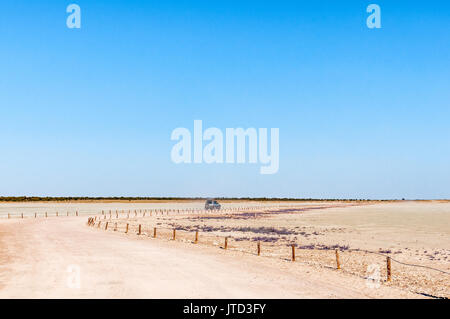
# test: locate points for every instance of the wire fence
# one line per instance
(375, 267)
(256, 209)
(36, 215)
(370, 265)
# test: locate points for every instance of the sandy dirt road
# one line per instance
(40, 259)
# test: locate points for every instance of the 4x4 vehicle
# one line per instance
(212, 204)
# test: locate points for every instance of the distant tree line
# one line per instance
(262, 199)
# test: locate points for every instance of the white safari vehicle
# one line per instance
(212, 204)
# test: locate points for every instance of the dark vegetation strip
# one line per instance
(262, 199)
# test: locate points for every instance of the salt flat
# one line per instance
(36, 252)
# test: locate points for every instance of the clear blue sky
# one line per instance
(362, 113)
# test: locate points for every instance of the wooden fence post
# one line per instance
(338, 263)
(154, 232)
(22, 215)
(106, 227)
(126, 230)
(388, 264)
(196, 237)
(174, 234)
(293, 252)
(115, 227)
(76, 213)
(139, 232)
(226, 243)
(35, 215)
(259, 248)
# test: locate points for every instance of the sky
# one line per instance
(362, 113)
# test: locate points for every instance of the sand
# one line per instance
(39, 256)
